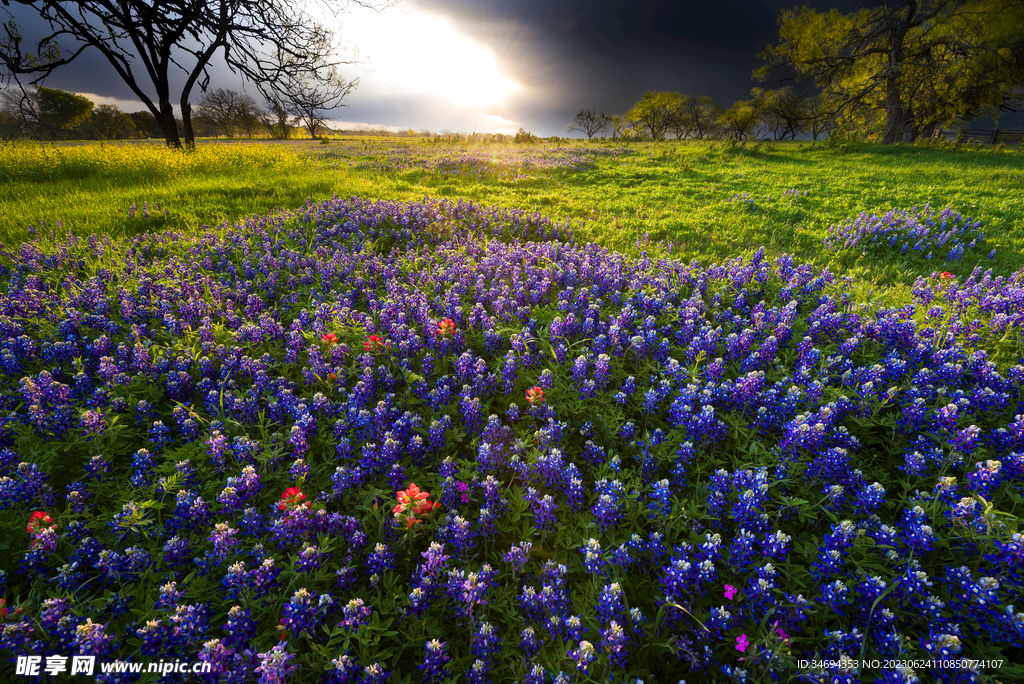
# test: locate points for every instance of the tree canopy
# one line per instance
(655, 113)
(913, 64)
(61, 110)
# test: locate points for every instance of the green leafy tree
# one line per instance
(10, 126)
(655, 113)
(618, 126)
(785, 112)
(910, 64)
(699, 116)
(523, 136)
(109, 123)
(679, 121)
(60, 110)
(146, 124)
(741, 120)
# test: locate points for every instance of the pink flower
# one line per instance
(730, 591)
(781, 632)
(742, 642)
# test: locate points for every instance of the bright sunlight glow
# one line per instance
(418, 53)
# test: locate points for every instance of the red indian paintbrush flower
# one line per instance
(291, 499)
(412, 503)
(446, 327)
(39, 522)
(424, 507)
(329, 339)
(535, 395)
(411, 495)
(374, 343)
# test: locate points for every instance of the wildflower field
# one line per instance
(559, 414)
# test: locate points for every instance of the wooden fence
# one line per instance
(989, 136)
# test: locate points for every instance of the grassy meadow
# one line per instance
(704, 201)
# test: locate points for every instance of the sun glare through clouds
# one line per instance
(419, 53)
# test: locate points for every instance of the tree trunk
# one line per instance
(895, 111)
(926, 131)
(186, 122)
(897, 121)
(168, 125)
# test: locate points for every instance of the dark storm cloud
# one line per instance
(606, 53)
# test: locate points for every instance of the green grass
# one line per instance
(660, 197)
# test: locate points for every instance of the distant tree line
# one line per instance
(57, 114)
(898, 70)
(773, 114)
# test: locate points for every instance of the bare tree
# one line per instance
(228, 111)
(269, 42)
(309, 100)
(785, 112)
(218, 107)
(589, 122)
(18, 103)
(249, 116)
(822, 118)
(276, 117)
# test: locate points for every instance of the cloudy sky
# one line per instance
(496, 65)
